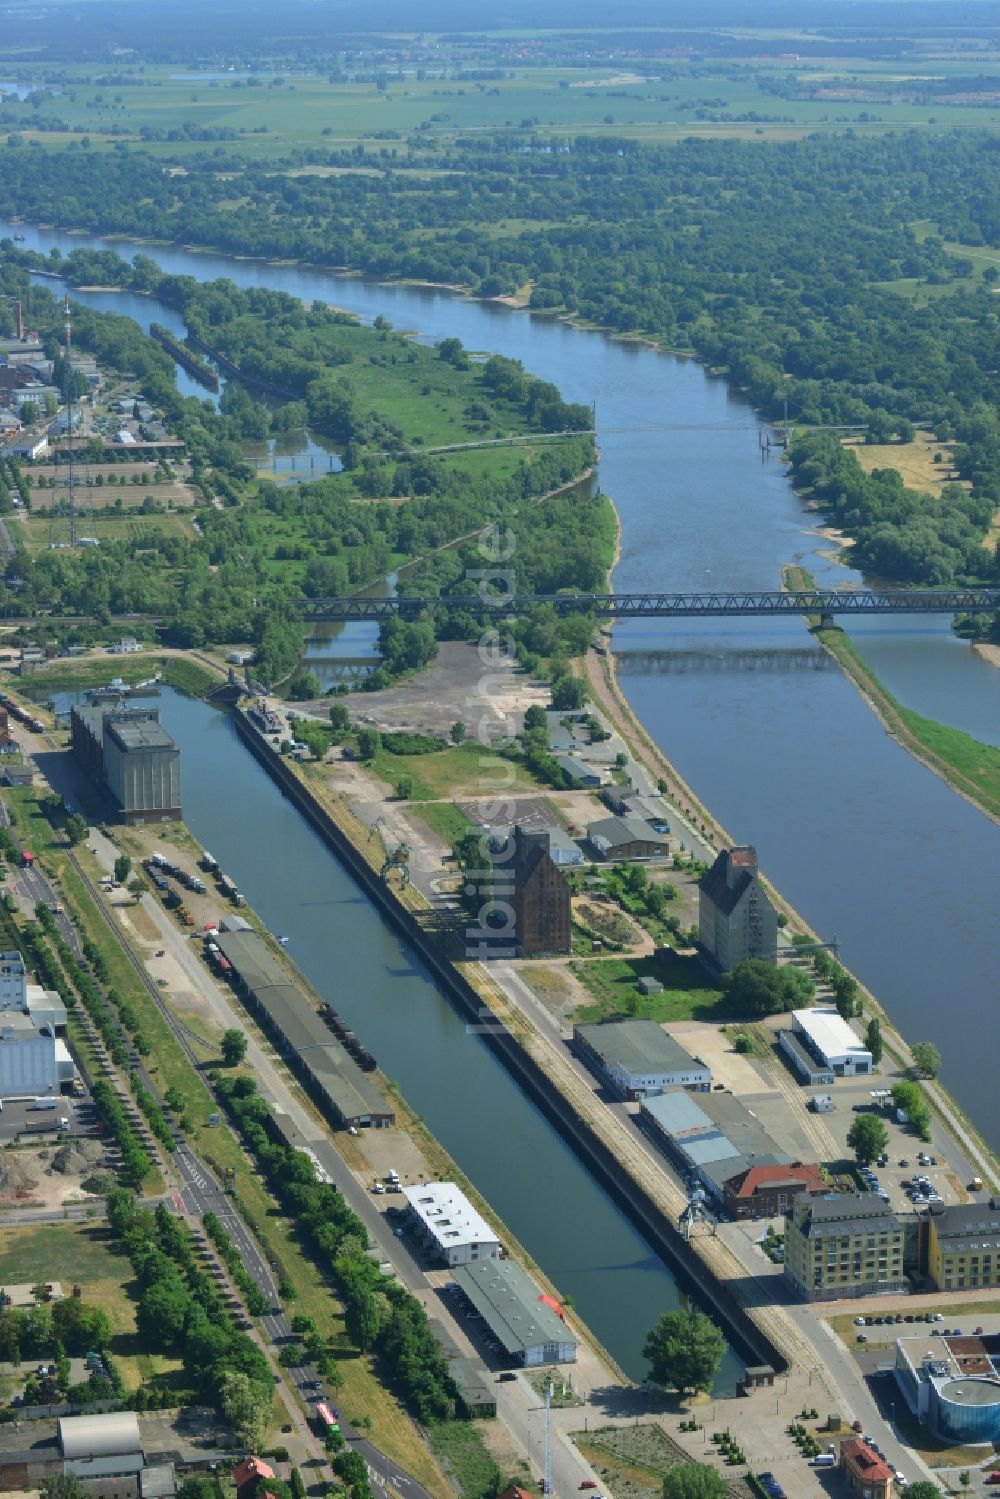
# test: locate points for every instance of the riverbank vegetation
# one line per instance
(261, 549)
(634, 238)
(971, 767)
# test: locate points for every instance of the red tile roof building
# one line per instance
(768, 1191)
(867, 1474)
(250, 1477)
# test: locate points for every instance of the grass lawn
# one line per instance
(106, 526)
(445, 819)
(83, 1254)
(687, 994)
(459, 770)
(465, 1458)
(913, 461)
(977, 762)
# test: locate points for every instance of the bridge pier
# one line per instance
(827, 620)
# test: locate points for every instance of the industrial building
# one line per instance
(952, 1385)
(769, 1191)
(529, 1326)
(474, 1382)
(579, 773)
(34, 1060)
(963, 1246)
(104, 1453)
(735, 917)
(710, 1139)
(29, 1066)
(638, 1059)
(626, 838)
(449, 1225)
(335, 1080)
(563, 850)
(131, 753)
(826, 1038)
(843, 1245)
(527, 877)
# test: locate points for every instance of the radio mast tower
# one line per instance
(547, 1485)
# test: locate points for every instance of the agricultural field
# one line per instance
(655, 99)
(40, 530)
(913, 461)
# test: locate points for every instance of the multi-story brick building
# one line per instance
(538, 893)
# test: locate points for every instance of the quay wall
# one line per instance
(626, 1189)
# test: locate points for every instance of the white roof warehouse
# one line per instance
(449, 1223)
(832, 1041)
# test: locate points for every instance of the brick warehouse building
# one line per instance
(530, 880)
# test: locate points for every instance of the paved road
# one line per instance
(200, 1193)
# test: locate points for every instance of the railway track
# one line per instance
(645, 1168)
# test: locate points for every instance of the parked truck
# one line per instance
(44, 1103)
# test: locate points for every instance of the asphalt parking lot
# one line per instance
(21, 1118)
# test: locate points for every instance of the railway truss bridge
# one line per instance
(828, 603)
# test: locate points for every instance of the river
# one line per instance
(870, 846)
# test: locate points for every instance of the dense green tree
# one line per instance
(873, 1039)
(569, 694)
(694, 1481)
(926, 1057)
(868, 1138)
(369, 744)
(684, 1350)
(762, 988)
(233, 1047)
(247, 1405)
(123, 867)
(75, 828)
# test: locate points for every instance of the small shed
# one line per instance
(649, 985)
(757, 1377)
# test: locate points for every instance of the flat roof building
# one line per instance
(844, 1245)
(711, 1138)
(527, 876)
(963, 1246)
(952, 1385)
(638, 1059)
(283, 1010)
(29, 1064)
(448, 1223)
(824, 1033)
(130, 751)
(529, 1326)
